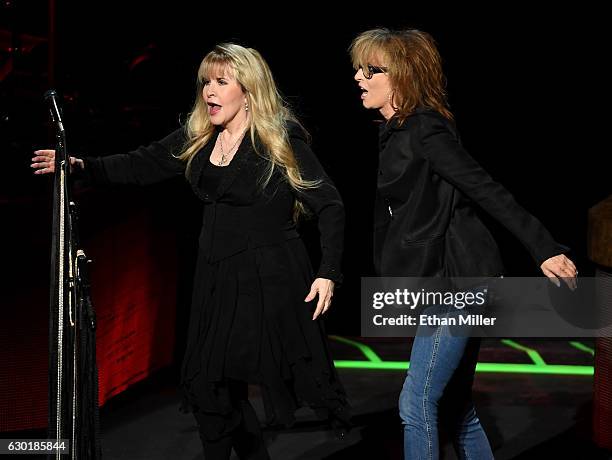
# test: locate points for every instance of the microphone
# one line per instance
(51, 98)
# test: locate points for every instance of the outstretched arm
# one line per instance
(450, 160)
(145, 165)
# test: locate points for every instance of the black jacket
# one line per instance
(425, 221)
(242, 215)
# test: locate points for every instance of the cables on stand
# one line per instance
(73, 374)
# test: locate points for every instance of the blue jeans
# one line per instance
(438, 392)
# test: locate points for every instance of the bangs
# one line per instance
(367, 50)
(214, 66)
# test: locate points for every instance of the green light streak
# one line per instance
(533, 354)
(367, 351)
(539, 366)
(582, 347)
(555, 369)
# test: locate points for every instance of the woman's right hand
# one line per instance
(44, 162)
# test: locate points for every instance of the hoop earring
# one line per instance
(390, 98)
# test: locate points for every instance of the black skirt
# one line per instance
(249, 322)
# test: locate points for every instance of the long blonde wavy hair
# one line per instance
(414, 67)
(268, 113)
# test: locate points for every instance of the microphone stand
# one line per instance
(73, 374)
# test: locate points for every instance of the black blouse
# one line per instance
(211, 178)
(240, 214)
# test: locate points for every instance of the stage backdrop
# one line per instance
(133, 247)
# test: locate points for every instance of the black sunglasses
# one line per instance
(371, 70)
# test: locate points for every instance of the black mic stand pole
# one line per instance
(73, 376)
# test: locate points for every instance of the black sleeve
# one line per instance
(325, 201)
(143, 166)
(452, 162)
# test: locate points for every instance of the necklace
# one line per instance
(223, 157)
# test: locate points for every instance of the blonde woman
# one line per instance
(257, 306)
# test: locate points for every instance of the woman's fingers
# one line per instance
(551, 276)
(571, 265)
(325, 289)
(45, 152)
(43, 167)
(43, 161)
(39, 164)
(560, 263)
(560, 267)
(319, 308)
(41, 158)
(328, 300)
(311, 295)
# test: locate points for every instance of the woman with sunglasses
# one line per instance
(426, 226)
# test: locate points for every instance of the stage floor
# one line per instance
(532, 396)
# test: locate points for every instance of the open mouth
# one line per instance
(213, 108)
(364, 92)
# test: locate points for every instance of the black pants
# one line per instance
(246, 439)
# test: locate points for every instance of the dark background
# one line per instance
(528, 89)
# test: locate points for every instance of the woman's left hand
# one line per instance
(560, 266)
(325, 289)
